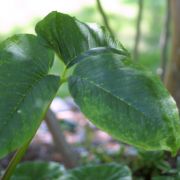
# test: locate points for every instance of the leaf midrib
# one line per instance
(114, 96)
(17, 105)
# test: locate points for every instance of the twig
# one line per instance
(138, 30)
(15, 160)
(105, 19)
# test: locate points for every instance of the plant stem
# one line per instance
(70, 157)
(14, 161)
(18, 155)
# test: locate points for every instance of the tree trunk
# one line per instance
(165, 39)
(173, 75)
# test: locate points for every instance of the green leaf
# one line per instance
(26, 89)
(54, 171)
(111, 171)
(38, 170)
(163, 178)
(129, 103)
(70, 38)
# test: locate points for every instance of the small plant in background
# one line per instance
(117, 95)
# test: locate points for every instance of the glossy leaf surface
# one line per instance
(70, 37)
(38, 170)
(96, 172)
(129, 103)
(26, 89)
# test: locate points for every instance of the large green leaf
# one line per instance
(70, 37)
(38, 170)
(26, 89)
(99, 172)
(127, 102)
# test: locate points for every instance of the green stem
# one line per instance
(14, 161)
(20, 152)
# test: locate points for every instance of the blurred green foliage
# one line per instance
(123, 26)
